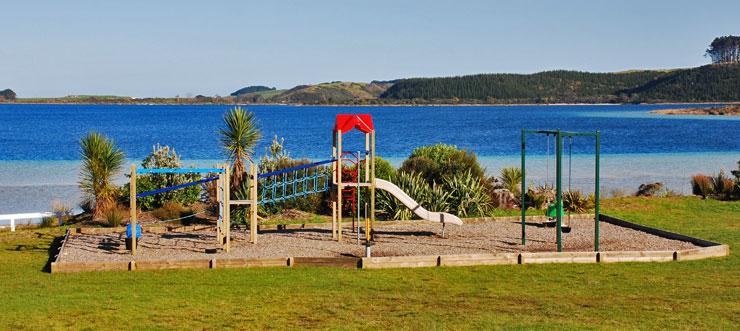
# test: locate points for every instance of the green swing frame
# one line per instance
(559, 135)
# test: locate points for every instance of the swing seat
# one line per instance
(551, 211)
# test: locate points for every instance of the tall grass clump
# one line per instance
(101, 161)
(115, 215)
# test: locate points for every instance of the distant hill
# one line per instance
(707, 83)
(333, 92)
(252, 89)
(716, 82)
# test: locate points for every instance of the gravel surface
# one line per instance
(414, 238)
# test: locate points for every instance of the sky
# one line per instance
(168, 48)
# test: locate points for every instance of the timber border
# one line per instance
(706, 249)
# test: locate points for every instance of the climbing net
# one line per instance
(295, 182)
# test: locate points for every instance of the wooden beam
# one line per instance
(219, 202)
(240, 202)
(227, 207)
(132, 207)
(372, 181)
(253, 205)
(339, 185)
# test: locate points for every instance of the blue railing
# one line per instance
(175, 187)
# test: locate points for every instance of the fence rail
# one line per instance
(23, 216)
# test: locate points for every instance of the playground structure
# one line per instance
(484, 241)
(556, 209)
(351, 172)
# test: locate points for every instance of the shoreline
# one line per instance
(728, 110)
(375, 105)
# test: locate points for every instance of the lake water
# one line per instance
(39, 143)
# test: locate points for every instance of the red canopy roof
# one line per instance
(346, 122)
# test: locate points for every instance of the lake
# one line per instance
(39, 143)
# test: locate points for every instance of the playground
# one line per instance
(353, 237)
(409, 238)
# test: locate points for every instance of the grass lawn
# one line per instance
(701, 294)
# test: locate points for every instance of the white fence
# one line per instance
(24, 216)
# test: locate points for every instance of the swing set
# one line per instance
(555, 209)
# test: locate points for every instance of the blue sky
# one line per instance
(168, 48)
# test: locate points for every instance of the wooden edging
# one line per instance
(657, 232)
(706, 249)
(385, 262)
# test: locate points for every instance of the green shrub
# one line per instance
(388, 207)
(278, 158)
(539, 196)
(436, 162)
(576, 202)
(384, 169)
(468, 196)
(48, 221)
(164, 157)
(511, 179)
(425, 167)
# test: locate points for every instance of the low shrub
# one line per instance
(388, 207)
(384, 169)
(170, 210)
(468, 196)
(539, 197)
(511, 179)
(163, 157)
(436, 162)
(576, 202)
(617, 193)
(115, 215)
(649, 190)
(277, 158)
(722, 184)
(702, 185)
(48, 222)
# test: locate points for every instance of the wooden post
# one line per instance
(333, 220)
(339, 185)
(253, 205)
(12, 225)
(367, 158)
(132, 207)
(372, 180)
(334, 182)
(227, 208)
(220, 203)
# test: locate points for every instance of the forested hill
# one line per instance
(707, 83)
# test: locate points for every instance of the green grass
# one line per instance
(701, 294)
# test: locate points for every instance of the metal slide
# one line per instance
(414, 206)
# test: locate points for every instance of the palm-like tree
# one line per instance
(511, 178)
(239, 138)
(101, 161)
